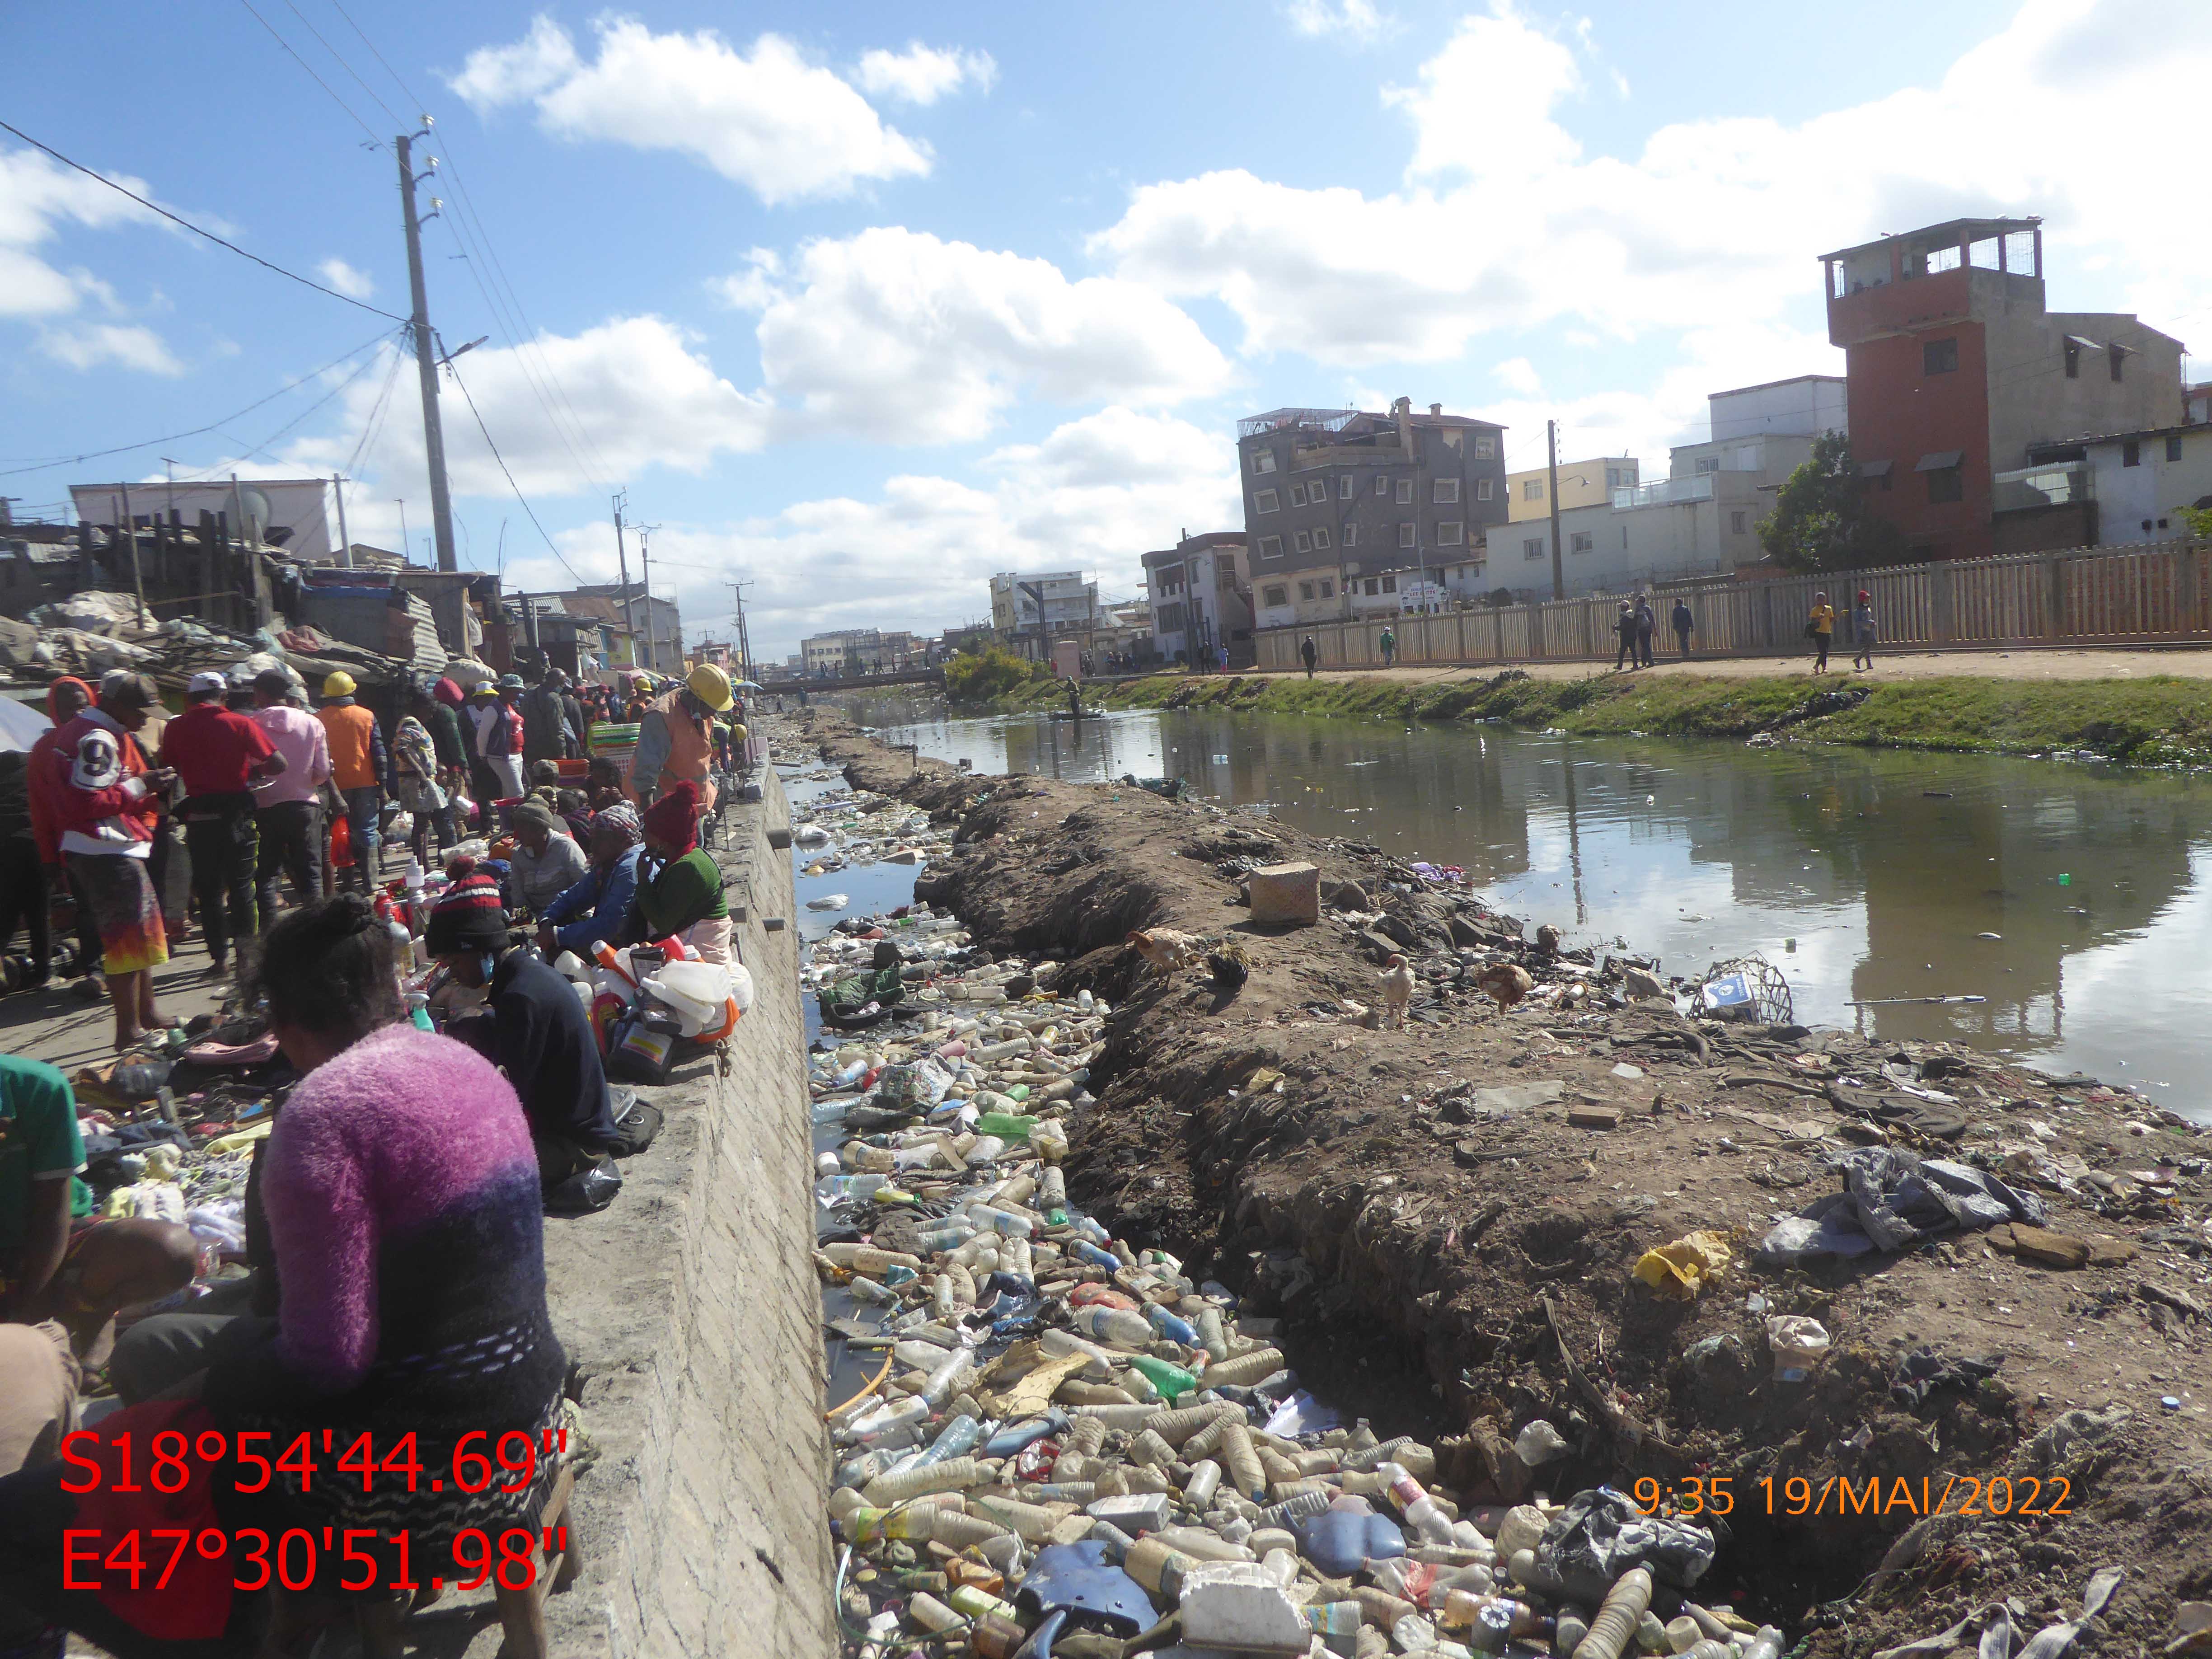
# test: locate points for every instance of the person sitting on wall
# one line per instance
(679, 891)
(596, 907)
(547, 861)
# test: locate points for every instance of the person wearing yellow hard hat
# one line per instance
(675, 737)
(359, 765)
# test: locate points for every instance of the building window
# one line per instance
(1265, 501)
(1297, 494)
(1486, 447)
(2132, 453)
(2072, 348)
(1263, 460)
(1939, 356)
(1351, 535)
(1482, 489)
(1946, 483)
(1533, 547)
(1373, 585)
(1305, 592)
(1302, 541)
(1735, 523)
(1278, 594)
(1344, 487)
(1532, 489)
(1405, 535)
(1271, 547)
(1449, 534)
(1709, 464)
(1321, 536)
(2173, 448)
(1579, 541)
(1444, 491)
(1404, 492)
(1389, 583)
(1328, 589)
(1382, 487)
(2116, 355)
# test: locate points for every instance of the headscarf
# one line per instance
(673, 821)
(66, 680)
(468, 917)
(622, 818)
(446, 692)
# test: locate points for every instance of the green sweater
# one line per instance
(684, 891)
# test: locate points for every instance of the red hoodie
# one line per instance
(43, 779)
(101, 803)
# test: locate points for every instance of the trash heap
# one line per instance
(843, 829)
(1071, 1442)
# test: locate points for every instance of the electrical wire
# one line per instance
(375, 424)
(262, 448)
(375, 143)
(397, 119)
(266, 264)
(199, 431)
(511, 484)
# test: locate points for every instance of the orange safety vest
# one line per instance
(690, 752)
(350, 732)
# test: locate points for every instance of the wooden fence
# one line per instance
(2156, 593)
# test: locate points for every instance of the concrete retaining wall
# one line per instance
(691, 1307)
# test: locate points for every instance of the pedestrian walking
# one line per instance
(1647, 624)
(1862, 631)
(1684, 622)
(415, 770)
(500, 739)
(23, 895)
(1221, 655)
(1309, 653)
(219, 756)
(1821, 629)
(288, 809)
(360, 767)
(545, 732)
(1624, 626)
(1389, 644)
(66, 698)
(107, 806)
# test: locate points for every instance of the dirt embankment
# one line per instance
(1455, 1262)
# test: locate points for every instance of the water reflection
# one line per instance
(1867, 877)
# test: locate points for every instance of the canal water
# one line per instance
(2073, 898)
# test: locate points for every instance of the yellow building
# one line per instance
(1582, 483)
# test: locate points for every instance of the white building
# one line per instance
(1030, 610)
(2122, 487)
(1200, 593)
(296, 515)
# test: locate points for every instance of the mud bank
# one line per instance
(2155, 721)
(1452, 1262)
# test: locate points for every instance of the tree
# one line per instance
(1822, 520)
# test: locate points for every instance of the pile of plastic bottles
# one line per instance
(1070, 1440)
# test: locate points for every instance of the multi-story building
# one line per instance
(840, 652)
(657, 622)
(1378, 510)
(1582, 483)
(1703, 517)
(2107, 491)
(1029, 611)
(1956, 368)
(1201, 595)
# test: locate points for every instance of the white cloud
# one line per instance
(124, 345)
(1517, 374)
(37, 198)
(637, 396)
(787, 130)
(897, 336)
(1093, 495)
(354, 284)
(922, 75)
(1361, 19)
(1504, 222)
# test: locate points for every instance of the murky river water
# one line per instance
(1865, 877)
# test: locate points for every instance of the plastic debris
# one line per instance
(1681, 1269)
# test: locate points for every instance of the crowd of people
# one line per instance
(393, 1214)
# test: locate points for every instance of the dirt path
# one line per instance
(1900, 665)
(1455, 1263)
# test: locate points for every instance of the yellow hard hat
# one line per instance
(339, 684)
(711, 686)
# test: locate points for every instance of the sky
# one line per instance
(861, 304)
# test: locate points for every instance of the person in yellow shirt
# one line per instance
(1820, 628)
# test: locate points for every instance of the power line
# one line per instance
(374, 53)
(374, 143)
(262, 448)
(374, 423)
(511, 484)
(397, 120)
(125, 449)
(294, 276)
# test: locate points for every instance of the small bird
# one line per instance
(1168, 952)
(1397, 978)
(1548, 938)
(1505, 982)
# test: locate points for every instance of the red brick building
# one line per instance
(1954, 368)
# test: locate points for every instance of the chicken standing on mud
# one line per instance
(1397, 990)
(1505, 982)
(1168, 952)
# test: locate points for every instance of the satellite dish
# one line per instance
(255, 505)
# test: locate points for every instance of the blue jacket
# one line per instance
(600, 902)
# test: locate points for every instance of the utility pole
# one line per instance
(1559, 565)
(426, 362)
(346, 541)
(645, 581)
(622, 561)
(130, 529)
(744, 641)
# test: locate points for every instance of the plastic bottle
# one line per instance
(1204, 1480)
(1767, 1644)
(1117, 1327)
(976, 1604)
(1169, 1326)
(1172, 1381)
(1624, 1603)
(1420, 1509)
(886, 1418)
(948, 1377)
(418, 1012)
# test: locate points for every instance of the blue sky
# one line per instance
(862, 314)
